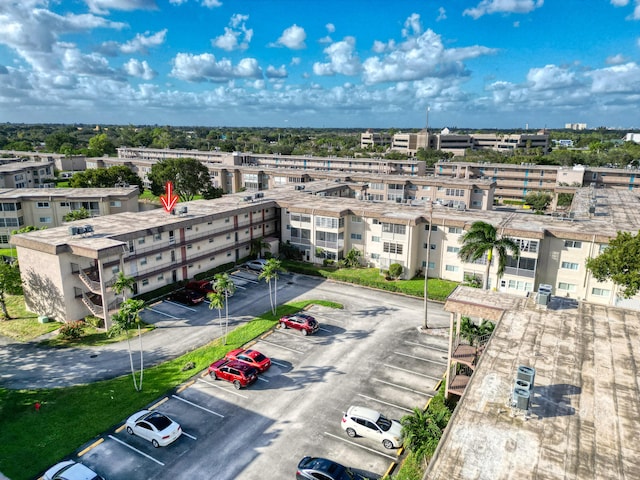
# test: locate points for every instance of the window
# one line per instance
(160, 277)
(451, 268)
(211, 240)
(456, 230)
(527, 245)
(329, 222)
(4, 238)
(432, 265)
(115, 203)
(602, 248)
(434, 228)
(569, 266)
(569, 287)
(157, 236)
(572, 244)
(375, 256)
(189, 247)
(375, 239)
(394, 228)
(388, 247)
(226, 220)
(520, 285)
(42, 204)
(600, 292)
(143, 261)
(451, 249)
(141, 241)
(356, 219)
(356, 236)
(45, 220)
(159, 256)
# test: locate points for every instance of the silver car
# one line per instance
(365, 422)
(70, 470)
(156, 427)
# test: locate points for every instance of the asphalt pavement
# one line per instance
(29, 365)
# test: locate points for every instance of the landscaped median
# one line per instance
(40, 427)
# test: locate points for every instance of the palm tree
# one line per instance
(121, 285)
(222, 283)
(257, 246)
(216, 300)
(123, 321)
(483, 238)
(270, 272)
(422, 431)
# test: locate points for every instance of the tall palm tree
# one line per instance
(257, 246)
(271, 271)
(222, 283)
(123, 321)
(483, 238)
(216, 300)
(121, 286)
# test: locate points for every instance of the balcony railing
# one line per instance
(90, 301)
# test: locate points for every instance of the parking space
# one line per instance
(364, 356)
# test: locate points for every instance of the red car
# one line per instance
(201, 286)
(250, 357)
(188, 297)
(238, 373)
(300, 321)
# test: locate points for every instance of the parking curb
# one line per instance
(91, 447)
(157, 404)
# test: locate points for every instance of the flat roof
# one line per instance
(584, 415)
(62, 193)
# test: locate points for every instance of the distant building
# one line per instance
(632, 137)
(575, 126)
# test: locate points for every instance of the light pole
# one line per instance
(426, 271)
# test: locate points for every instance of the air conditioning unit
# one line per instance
(183, 210)
(73, 230)
(521, 398)
(526, 374)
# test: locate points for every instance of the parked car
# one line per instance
(239, 373)
(314, 468)
(365, 422)
(257, 264)
(300, 321)
(70, 470)
(201, 286)
(156, 427)
(251, 357)
(188, 297)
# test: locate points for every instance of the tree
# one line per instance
(127, 316)
(216, 300)
(620, 263)
(270, 272)
(257, 246)
(352, 258)
(77, 215)
(395, 270)
(422, 431)
(539, 201)
(101, 145)
(188, 175)
(10, 283)
(124, 320)
(106, 178)
(482, 238)
(222, 283)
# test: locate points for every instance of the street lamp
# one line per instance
(426, 271)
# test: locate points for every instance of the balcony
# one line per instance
(464, 359)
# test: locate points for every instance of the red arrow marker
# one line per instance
(170, 199)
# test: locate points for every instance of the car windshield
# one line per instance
(384, 423)
(258, 357)
(159, 421)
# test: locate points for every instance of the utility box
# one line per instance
(526, 374)
(521, 398)
(43, 319)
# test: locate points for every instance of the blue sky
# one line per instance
(331, 63)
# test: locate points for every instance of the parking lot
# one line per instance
(368, 354)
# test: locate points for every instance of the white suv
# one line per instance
(365, 422)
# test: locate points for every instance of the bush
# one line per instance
(72, 330)
(395, 270)
(95, 322)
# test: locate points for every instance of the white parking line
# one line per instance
(324, 330)
(385, 403)
(162, 313)
(222, 388)
(298, 334)
(427, 346)
(279, 364)
(136, 450)
(393, 367)
(281, 346)
(180, 305)
(197, 406)
(402, 387)
(420, 358)
(360, 446)
(190, 436)
(263, 379)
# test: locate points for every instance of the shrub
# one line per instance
(95, 322)
(72, 330)
(395, 270)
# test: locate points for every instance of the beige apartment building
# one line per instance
(46, 207)
(157, 249)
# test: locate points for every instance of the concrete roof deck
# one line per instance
(585, 408)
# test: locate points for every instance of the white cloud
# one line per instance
(550, 77)
(205, 67)
(73, 61)
(442, 14)
(342, 59)
(330, 27)
(136, 68)
(617, 79)
(102, 7)
(177, 2)
(296, 61)
(273, 72)
(142, 42)
(619, 3)
(487, 7)
(211, 3)
(229, 41)
(419, 56)
(292, 37)
(616, 59)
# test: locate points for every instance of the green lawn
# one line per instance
(370, 277)
(23, 325)
(74, 416)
